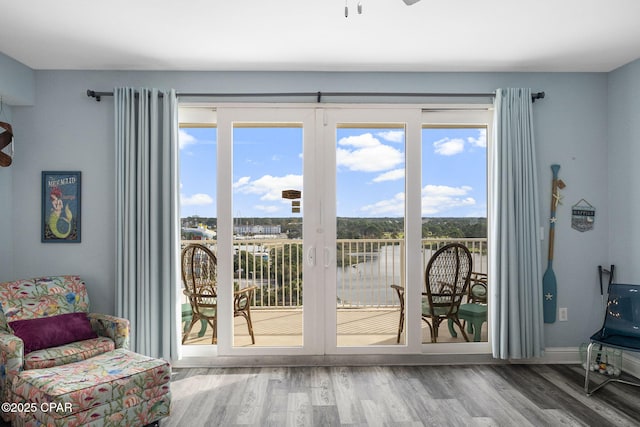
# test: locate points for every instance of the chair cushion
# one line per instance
(68, 353)
(96, 387)
(209, 311)
(52, 331)
(438, 311)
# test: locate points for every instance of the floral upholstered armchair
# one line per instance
(44, 322)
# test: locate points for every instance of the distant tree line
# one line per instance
(454, 228)
(368, 228)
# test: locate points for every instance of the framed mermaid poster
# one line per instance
(60, 207)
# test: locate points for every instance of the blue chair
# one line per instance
(621, 328)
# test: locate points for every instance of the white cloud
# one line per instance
(391, 207)
(242, 181)
(185, 139)
(392, 135)
(198, 199)
(480, 140)
(366, 153)
(435, 199)
(440, 198)
(449, 147)
(268, 187)
(392, 175)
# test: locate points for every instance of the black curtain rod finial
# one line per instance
(93, 94)
(537, 95)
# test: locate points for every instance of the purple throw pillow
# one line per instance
(52, 331)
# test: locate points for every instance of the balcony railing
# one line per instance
(366, 269)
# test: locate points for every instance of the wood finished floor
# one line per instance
(474, 395)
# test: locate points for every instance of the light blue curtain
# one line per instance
(147, 223)
(515, 261)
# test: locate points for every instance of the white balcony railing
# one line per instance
(366, 268)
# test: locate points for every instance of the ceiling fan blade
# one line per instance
(410, 2)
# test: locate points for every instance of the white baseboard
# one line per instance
(552, 355)
(630, 362)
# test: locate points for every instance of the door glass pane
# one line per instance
(198, 217)
(370, 185)
(454, 209)
(267, 230)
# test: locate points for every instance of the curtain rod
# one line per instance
(535, 95)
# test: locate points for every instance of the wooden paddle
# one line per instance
(549, 284)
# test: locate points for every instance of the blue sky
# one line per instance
(370, 168)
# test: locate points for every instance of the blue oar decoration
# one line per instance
(549, 284)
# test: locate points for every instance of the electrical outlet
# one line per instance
(562, 314)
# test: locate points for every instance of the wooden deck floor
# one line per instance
(356, 327)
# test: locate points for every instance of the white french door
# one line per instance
(323, 147)
(268, 166)
(372, 169)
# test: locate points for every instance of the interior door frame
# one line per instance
(319, 225)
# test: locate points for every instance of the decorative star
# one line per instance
(557, 199)
(553, 220)
(548, 296)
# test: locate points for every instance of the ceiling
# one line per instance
(314, 35)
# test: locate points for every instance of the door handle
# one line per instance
(327, 257)
(311, 256)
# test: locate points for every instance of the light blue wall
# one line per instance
(16, 88)
(16, 82)
(66, 130)
(624, 171)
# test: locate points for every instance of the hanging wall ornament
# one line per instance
(549, 284)
(6, 138)
(583, 215)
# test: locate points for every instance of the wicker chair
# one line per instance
(199, 277)
(400, 291)
(477, 288)
(446, 282)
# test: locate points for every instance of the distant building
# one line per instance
(256, 229)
